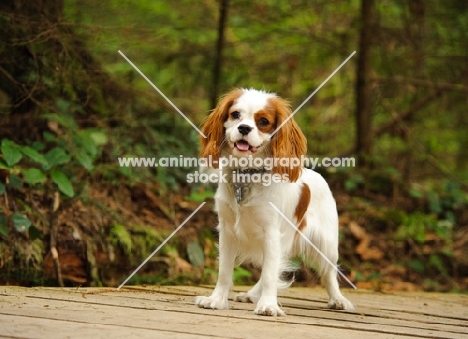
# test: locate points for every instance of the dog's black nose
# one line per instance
(244, 129)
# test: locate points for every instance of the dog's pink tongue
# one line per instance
(242, 145)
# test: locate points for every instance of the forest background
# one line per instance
(71, 105)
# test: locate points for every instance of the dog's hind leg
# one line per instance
(252, 296)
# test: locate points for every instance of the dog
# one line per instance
(240, 136)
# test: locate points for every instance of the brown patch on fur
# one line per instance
(289, 141)
(269, 113)
(302, 205)
(214, 129)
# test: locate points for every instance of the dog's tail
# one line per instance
(287, 276)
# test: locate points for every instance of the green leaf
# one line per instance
(195, 254)
(38, 146)
(416, 265)
(10, 152)
(15, 181)
(34, 176)
(34, 233)
(21, 222)
(49, 137)
(415, 193)
(350, 185)
(2, 188)
(62, 120)
(63, 105)
(434, 202)
(84, 140)
(99, 137)
(3, 164)
(57, 156)
(126, 171)
(85, 160)
(3, 225)
(62, 182)
(438, 263)
(34, 155)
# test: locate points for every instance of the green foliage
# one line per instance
(433, 228)
(416, 265)
(56, 156)
(435, 261)
(442, 204)
(353, 182)
(121, 237)
(195, 254)
(200, 195)
(3, 225)
(37, 168)
(34, 176)
(34, 155)
(376, 276)
(48, 164)
(15, 181)
(63, 183)
(11, 152)
(145, 239)
(415, 226)
(241, 275)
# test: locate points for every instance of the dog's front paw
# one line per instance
(268, 306)
(246, 298)
(213, 302)
(340, 304)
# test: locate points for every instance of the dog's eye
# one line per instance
(235, 115)
(263, 122)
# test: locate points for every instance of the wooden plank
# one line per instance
(136, 319)
(40, 327)
(169, 312)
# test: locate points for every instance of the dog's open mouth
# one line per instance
(244, 146)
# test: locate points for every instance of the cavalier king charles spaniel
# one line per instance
(241, 144)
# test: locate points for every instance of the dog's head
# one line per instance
(242, 125)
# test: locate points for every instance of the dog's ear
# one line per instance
(288, 142)
(213, 127)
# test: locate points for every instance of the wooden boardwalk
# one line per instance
(169, 312)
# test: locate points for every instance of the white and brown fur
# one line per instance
(251, 230)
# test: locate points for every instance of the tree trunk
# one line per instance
(363, 110)
(223, 11)
(415, 29)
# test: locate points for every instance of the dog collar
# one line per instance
(242, 187)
